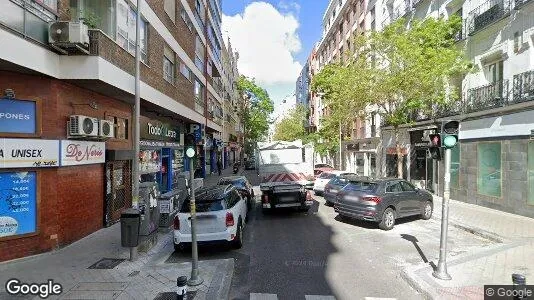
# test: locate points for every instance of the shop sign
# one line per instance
(421, 138)
(155, 130)
(29, 153)
(75, 153)
(18, 116)
(18, 203)
(160, 144)
(353, 147)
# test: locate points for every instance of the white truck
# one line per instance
(286, 173)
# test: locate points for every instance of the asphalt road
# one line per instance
(295, 255)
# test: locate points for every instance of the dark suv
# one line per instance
(242, 184)
(383, 201)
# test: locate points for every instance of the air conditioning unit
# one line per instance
(69, 37)
(83, 126)
(105, 129)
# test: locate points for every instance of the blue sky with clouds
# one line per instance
(274, 39)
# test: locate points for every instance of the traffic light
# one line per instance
(449, 133)
(435, 146)
(189, 140)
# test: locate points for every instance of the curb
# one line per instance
(418, 285)
(222, 279)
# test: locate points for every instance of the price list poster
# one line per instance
(18, 208)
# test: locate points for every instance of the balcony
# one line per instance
(520, 3)
(523, 87)
(486, 14)
(486, 97)
(462, 34)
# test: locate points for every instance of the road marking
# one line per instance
(319, 297)
(375, 298)
(258, 296)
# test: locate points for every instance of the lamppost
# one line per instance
(195, 278)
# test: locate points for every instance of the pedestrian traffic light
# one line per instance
(449, 133)
(435, 140)
(189, 139)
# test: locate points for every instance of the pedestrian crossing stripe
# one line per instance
(260, 296)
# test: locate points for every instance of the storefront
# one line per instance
(360, 156)
(161, 155)
(422, 165)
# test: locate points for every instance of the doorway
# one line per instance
(118, 190)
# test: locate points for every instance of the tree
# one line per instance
(255, 111)
(403, 69)
(291, 127)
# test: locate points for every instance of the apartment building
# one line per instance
(66, 97)
(493, 163)
(342, 20)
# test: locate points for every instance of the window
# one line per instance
(530, 170)
(126, 18)
(495, 71)
(121, 128)
(170, 9)
(362, 25)
(210, 67)
(199, 54)
(518, 40)
(455, 166)
(186, 19)
(168, 64)
(199, 96)
(489, 169)
(184, 69)
(393, 187)
(407, 187)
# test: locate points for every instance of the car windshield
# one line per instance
(326, 175)
(361, 186)
(235, 182)
(204, 206)
(339, 181)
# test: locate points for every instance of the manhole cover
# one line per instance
(172, 296)
(106, 263)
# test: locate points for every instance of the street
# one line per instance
(291, 255)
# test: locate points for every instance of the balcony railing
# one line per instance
(523, 87)
(488, 13)
(519, 3)
(488, 96)
(416, 2)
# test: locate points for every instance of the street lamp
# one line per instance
(195, 278)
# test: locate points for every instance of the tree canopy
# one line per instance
(403, 69)
(291, 127)
(255, 111)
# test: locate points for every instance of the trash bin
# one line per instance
(130, 220)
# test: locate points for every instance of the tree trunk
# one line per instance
(399, 154)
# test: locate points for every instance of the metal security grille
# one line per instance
(118, 190)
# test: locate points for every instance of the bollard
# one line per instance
(518, 280)
(181, 288)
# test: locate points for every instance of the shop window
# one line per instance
(530, 199)
(489, 169)
(455, 166)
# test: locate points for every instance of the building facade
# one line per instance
(67, 102)
(491, 165)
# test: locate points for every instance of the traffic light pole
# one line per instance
(441, 270)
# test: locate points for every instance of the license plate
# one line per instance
(288, 205)
(287, 199)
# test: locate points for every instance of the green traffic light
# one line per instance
(449, 141)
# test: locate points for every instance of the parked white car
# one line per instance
(325, 177)
(221, 216)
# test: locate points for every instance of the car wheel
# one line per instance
(388, 219)
(427, 211)
(238, 241)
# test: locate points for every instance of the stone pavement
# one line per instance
(145, 278)
(512, 252)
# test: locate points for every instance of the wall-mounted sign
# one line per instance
(28, 153)
(75, 153)
(18, 205)
(516, 124)
(18, 116)
(353, 147)
(155, 130)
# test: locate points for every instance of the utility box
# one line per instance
(130, 221)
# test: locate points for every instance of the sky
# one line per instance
(274, 39)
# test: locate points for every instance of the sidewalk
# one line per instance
(512, 252)
(145, 278)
